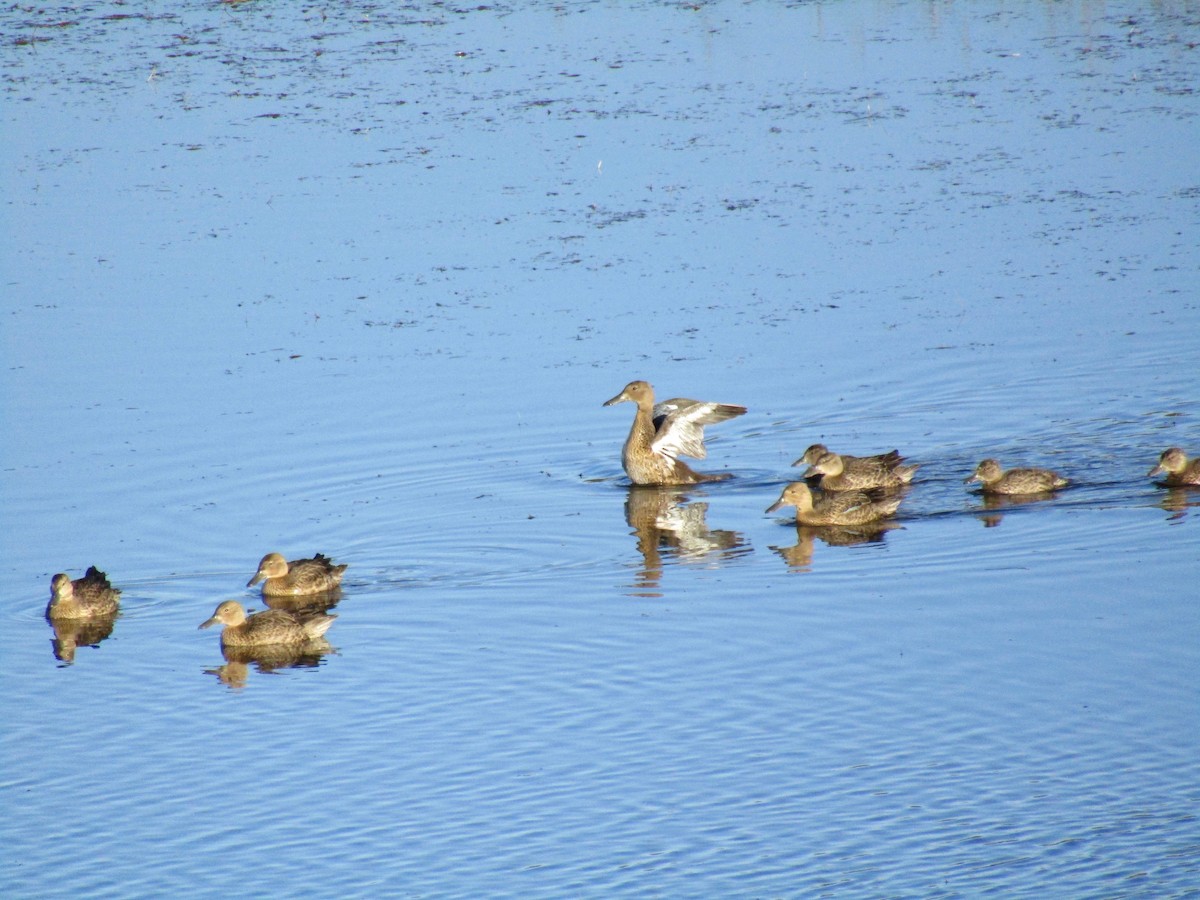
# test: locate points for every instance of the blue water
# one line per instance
(357, 279)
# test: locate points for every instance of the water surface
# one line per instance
(357, 279)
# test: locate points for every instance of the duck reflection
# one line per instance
(669, 525)
(307, 606)
(995, 504)
(268, 660)
(799, 556)
(1177, 501)
(71, 634)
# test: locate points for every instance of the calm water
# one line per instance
(357, 279)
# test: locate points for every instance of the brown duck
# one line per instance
(272, 627)
(1173, 463)
(663, 432)
(836, 476)
(1015, 481)
(891, 459)
(86, 597)
(845, 508)
(297, 578)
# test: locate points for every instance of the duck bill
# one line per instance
(258, 576)
(617, 399)
(970, 478)
(777, 505)
(208, 623)
(1157, 470)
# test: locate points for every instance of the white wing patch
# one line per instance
(681, 424)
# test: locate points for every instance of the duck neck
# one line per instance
(642, 430)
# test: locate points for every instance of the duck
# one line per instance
(1179, 472)
(662, 432)
(84, 598)
(835, 476)
(844, 508)
(891, 459)
(271, 627)
(297, 578)
(1015, 481)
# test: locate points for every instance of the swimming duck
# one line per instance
(298, 577)
(662, 432)
(846, 508)
(82, 598)
(891, 459)
(267, 628)
(835, 476)
(1015, 481)
(1174, 463)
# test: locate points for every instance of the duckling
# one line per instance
(85, 597)
(298, 577)
(268, 628)
(865, 476)
(1015, 481)
(890, 460)
(662, 432)
(1179, 472)
(846, 508)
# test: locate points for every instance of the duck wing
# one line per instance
(679, 425)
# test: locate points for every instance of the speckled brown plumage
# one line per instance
(662, 432)
(845, 508)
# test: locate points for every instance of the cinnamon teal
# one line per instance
(865, 476)
(86, 597)
(662, 432)
(1179, 472)
(281, 578)
(1015, 481)
(891, 459)
(272, 627)
(845, 508)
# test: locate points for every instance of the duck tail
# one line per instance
(318, 625)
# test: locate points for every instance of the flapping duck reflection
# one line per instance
(270, 628)
(844, 508)
(1178, 472)
(668, 524)
(297, 578)
(865, 476)
(663, 432)
(995, 480)
(84, 598)
(668, 517)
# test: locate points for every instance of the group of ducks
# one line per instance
(301, 590)
(855, 490)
